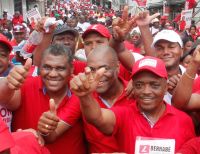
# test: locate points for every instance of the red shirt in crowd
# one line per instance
(98, 142)
(196, 85)
(17, 20)
(35, 101)
(130, 123)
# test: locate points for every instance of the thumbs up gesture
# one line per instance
(85, 83)
(48, 121)
(18, 74)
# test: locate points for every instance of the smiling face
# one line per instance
(169, 52)
(55, 72)
(149, 90)
(110, 63)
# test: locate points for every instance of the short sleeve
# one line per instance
(71, 112)
(121, 114)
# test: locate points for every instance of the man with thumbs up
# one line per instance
(109, 93)
(29, 97)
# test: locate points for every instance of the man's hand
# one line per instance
(40, 26)
(18, 74)
(48, 122)
(85, 83)
(122, 26)
(144, 18)
(35, 133)
(172, 83)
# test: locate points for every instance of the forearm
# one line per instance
(90, 109)
(147, 40)
(183, 89)
(125, 56)
(6, 93)
(46, 41)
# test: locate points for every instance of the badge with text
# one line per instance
(147, 145)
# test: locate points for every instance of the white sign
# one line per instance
(187, 16)
(145, 145)
(33, 14)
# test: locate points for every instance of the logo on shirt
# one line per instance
(144, 149)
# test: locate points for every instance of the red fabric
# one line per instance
(191, 147)
(196, 85)
(191, 3)
(17, 20)
(124, 73)
(13, 42)
(177, 18)
(6, 140)
(98, 142)
(131, 47)
(27, 143)
(182, 25)
(130, 123)
(33, 103)
(79, 66)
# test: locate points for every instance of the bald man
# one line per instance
(109, 93)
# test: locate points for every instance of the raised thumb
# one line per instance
(28, 64)
(52, 106)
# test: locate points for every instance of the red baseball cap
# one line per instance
(99, 28)
(163, 18)
(5, 41)
(6, 139)
(151, 64)
(19, 28)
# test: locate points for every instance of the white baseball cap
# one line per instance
(5, 10)
(168, 35)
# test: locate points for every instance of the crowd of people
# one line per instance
(96, 81)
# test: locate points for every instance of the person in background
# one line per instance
(17, 18)
(19, 33)
(155, 26)
(192, 32)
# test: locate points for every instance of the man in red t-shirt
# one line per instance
(17, 18)
(30, 98)
(149, 116)
(109, 94)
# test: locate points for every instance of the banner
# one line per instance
(187, 16)
(33, 14)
